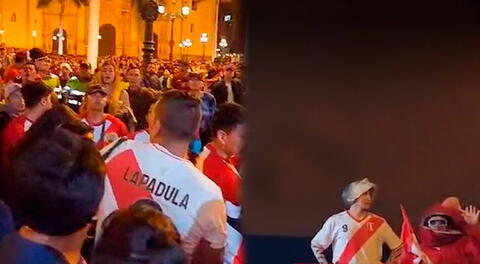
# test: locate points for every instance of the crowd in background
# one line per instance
(63, 129)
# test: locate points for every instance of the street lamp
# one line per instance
(187, 43)
(149, 15)
(124, 13)
(185, 11)
(34, 35)
(223, 43)
(203, 40)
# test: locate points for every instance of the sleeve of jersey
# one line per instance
(122, 130)
(390, 238)
(230, 185)
(211, 224)
(323, 239)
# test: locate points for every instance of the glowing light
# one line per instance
(161, 9)
(204, 38)
(185, 10)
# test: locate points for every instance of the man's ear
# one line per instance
(221, 136)
(157, 127)
(43, 100)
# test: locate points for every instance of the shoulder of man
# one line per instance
(378, 217)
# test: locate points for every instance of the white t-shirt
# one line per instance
(138, 170)
(339, 229)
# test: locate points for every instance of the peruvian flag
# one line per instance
(413, 253)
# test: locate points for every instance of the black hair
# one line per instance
(20, 58)
(227, 117)
(33, 92)
(58, 182)
(139, 234)
(36, 53)
(85, 65)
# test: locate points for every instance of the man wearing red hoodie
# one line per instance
(451, 235)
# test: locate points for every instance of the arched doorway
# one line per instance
(155, 46)
(106, 42)
(56, 40)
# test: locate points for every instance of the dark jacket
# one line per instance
(220, 91)
(15, 249)
(152, 81)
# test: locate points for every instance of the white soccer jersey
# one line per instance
(137, 170)
(361, 240)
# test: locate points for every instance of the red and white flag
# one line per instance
(413, 253)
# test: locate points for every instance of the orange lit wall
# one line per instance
(20, 18)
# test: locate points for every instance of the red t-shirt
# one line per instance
(112, 128)
(221, 172)
(13, 132)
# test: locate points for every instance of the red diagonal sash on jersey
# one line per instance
(126, 179)
(240, 255)
(357, 241)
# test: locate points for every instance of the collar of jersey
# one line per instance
(355, 219)
(165, 150)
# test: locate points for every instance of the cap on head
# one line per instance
(11, 88)
(66, 66)
(355, 189)
(96, 88)
(194, 77)
(85, 65)
(36, 54)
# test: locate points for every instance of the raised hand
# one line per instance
(471, 215)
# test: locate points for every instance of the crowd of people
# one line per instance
(131, 163)
(126, 163)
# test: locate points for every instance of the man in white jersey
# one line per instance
(356, 235)
(160, 171)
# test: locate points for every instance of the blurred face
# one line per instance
(195, 85)
(65, 72)
(151, 68)
(438, 223)
(83, 73)
(3, 51)
(29, 70)
(16, 102)
(134, 77)
(96, 101)
(229, 73)
(43, 64)
(365, 201)
(108, 74)
(234, 140)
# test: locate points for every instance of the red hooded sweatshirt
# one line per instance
(460, 245)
